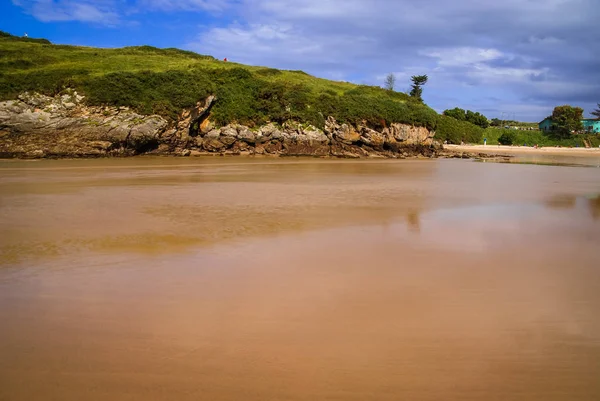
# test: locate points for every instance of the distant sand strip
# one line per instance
(501, 149)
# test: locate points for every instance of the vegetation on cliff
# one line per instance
(165, 81)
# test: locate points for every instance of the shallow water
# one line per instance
(298, 279)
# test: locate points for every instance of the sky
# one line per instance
(508, 59)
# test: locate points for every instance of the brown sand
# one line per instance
(232, 279)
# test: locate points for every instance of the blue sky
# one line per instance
(513, 57)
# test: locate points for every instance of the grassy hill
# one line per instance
(164, 81)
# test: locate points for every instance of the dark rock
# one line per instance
(244, 134)
(212, 144)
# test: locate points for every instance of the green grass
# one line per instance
(531, 138)
(165, 81)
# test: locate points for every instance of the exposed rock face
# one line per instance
(39, 126)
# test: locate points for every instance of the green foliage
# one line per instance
(455, 131)
(565, 120)
(458, 113)
(268, 72)
(507, 138)
(149, 92)
(48, 82)
(416, 90)
(477, 119)
(151, 50)
(468, 115)
(596, 113)
(536, 137)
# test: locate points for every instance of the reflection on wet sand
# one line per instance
(425, 280)
(594, 205)
(570, 201)
(60, 208)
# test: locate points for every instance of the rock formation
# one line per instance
(38, 126)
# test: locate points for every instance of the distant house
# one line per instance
(545, 124)
(589, 125)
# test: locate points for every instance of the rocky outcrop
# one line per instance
(39, 126)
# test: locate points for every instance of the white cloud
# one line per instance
(188, 5)
(471, 48)
(111, 12)
(98, 11)
(499, 75)
(462, 56)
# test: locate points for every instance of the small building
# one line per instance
(545, 124)
(589, 125)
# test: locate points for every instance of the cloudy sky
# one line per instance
(516, 58)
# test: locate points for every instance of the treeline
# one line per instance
(469, 116)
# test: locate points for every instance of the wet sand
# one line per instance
(298, 279)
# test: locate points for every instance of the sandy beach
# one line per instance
(501, 149)
(230, 279)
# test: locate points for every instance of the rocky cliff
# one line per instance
(36, 126)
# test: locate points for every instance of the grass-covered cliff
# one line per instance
(165, 81)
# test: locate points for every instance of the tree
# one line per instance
(496, 122)
(596, 113)
(477, 119)
(566, 119)
(417, 86)
(457, 113)
(390, 82)
(468, 115)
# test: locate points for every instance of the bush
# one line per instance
(455, 131)
(468, 115)
(47, 82)
(507, 138)
(164, 92)
(268, 72)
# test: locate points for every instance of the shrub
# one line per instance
(268, 72)
(455, 131)
(507, 138)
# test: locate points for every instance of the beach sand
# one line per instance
(511, 150)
